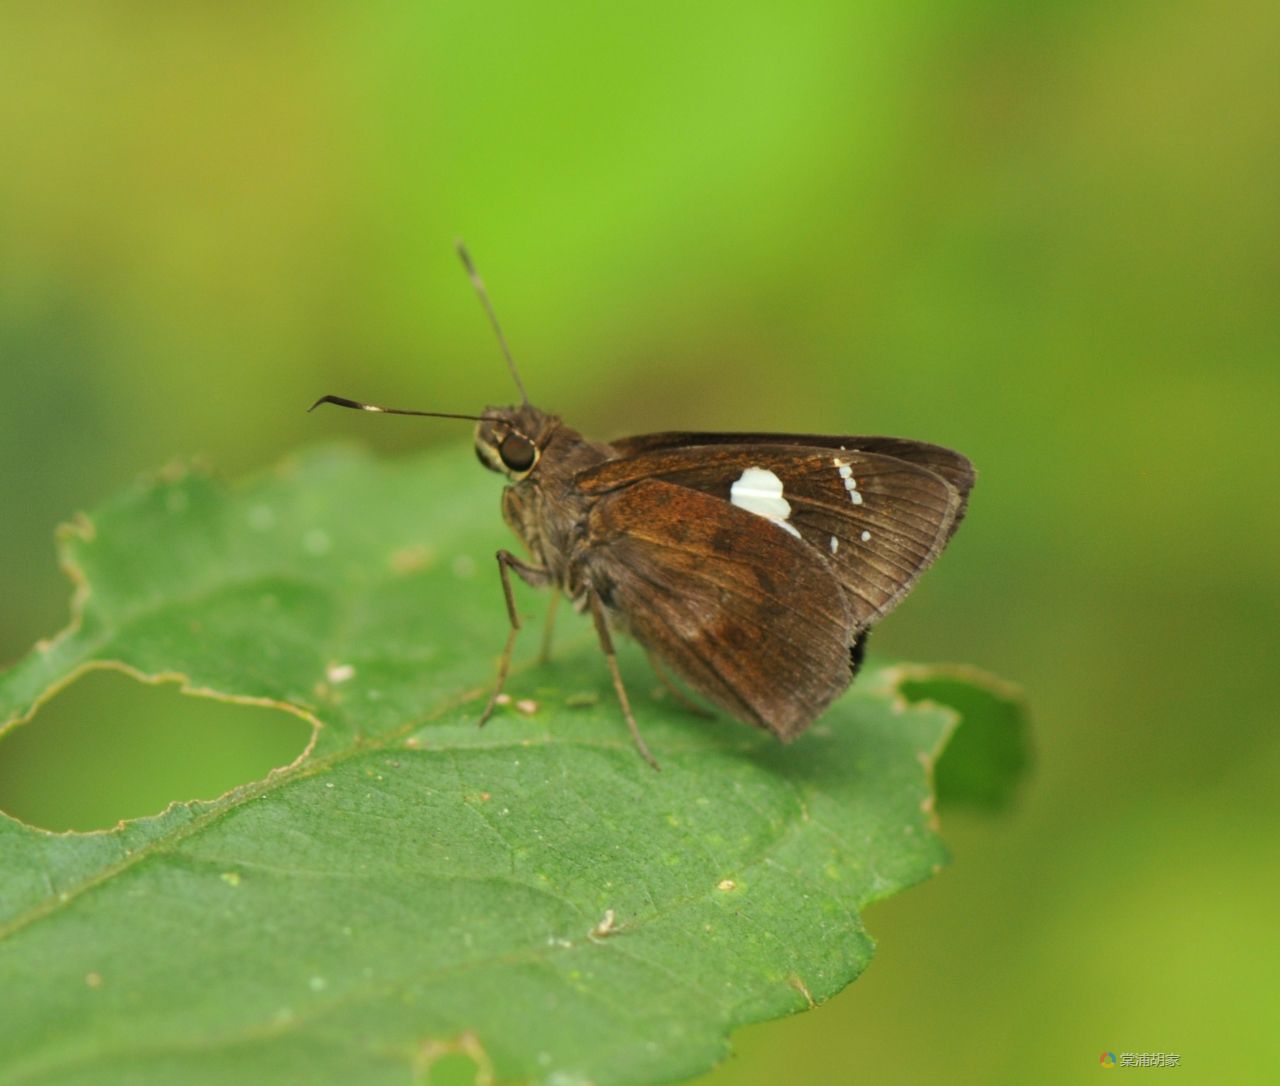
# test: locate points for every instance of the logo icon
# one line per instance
(1107, 1059)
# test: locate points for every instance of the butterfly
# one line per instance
(751, 565)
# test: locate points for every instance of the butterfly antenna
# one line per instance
(356, 405)
(478, 283)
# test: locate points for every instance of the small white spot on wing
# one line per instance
(759, 491)
(835, 544)
(850, 483)
(866, 536)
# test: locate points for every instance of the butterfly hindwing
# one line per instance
(759, 619)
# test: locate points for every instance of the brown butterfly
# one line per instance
(752, 565)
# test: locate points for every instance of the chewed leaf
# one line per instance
(984, 763)
(529, 900)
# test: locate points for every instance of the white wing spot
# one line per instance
(850, 483)
(759, 491)
(835, 544)
(866, 536)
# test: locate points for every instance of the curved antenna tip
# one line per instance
(342, 401)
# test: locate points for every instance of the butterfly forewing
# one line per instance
(951, 465)
(878, 519)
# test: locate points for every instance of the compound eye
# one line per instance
(517, 452)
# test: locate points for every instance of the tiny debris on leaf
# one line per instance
(606, 927)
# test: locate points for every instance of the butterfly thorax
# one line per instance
(541, 456)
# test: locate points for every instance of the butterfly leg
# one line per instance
(548, 631)
(686, 702)
(606, 644)
(535, 576)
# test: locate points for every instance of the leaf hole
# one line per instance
(988, 755)
(110, 747)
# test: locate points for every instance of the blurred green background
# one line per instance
(1046, 234)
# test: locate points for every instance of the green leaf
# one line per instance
(529, 901)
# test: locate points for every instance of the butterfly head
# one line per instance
(510, 440)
